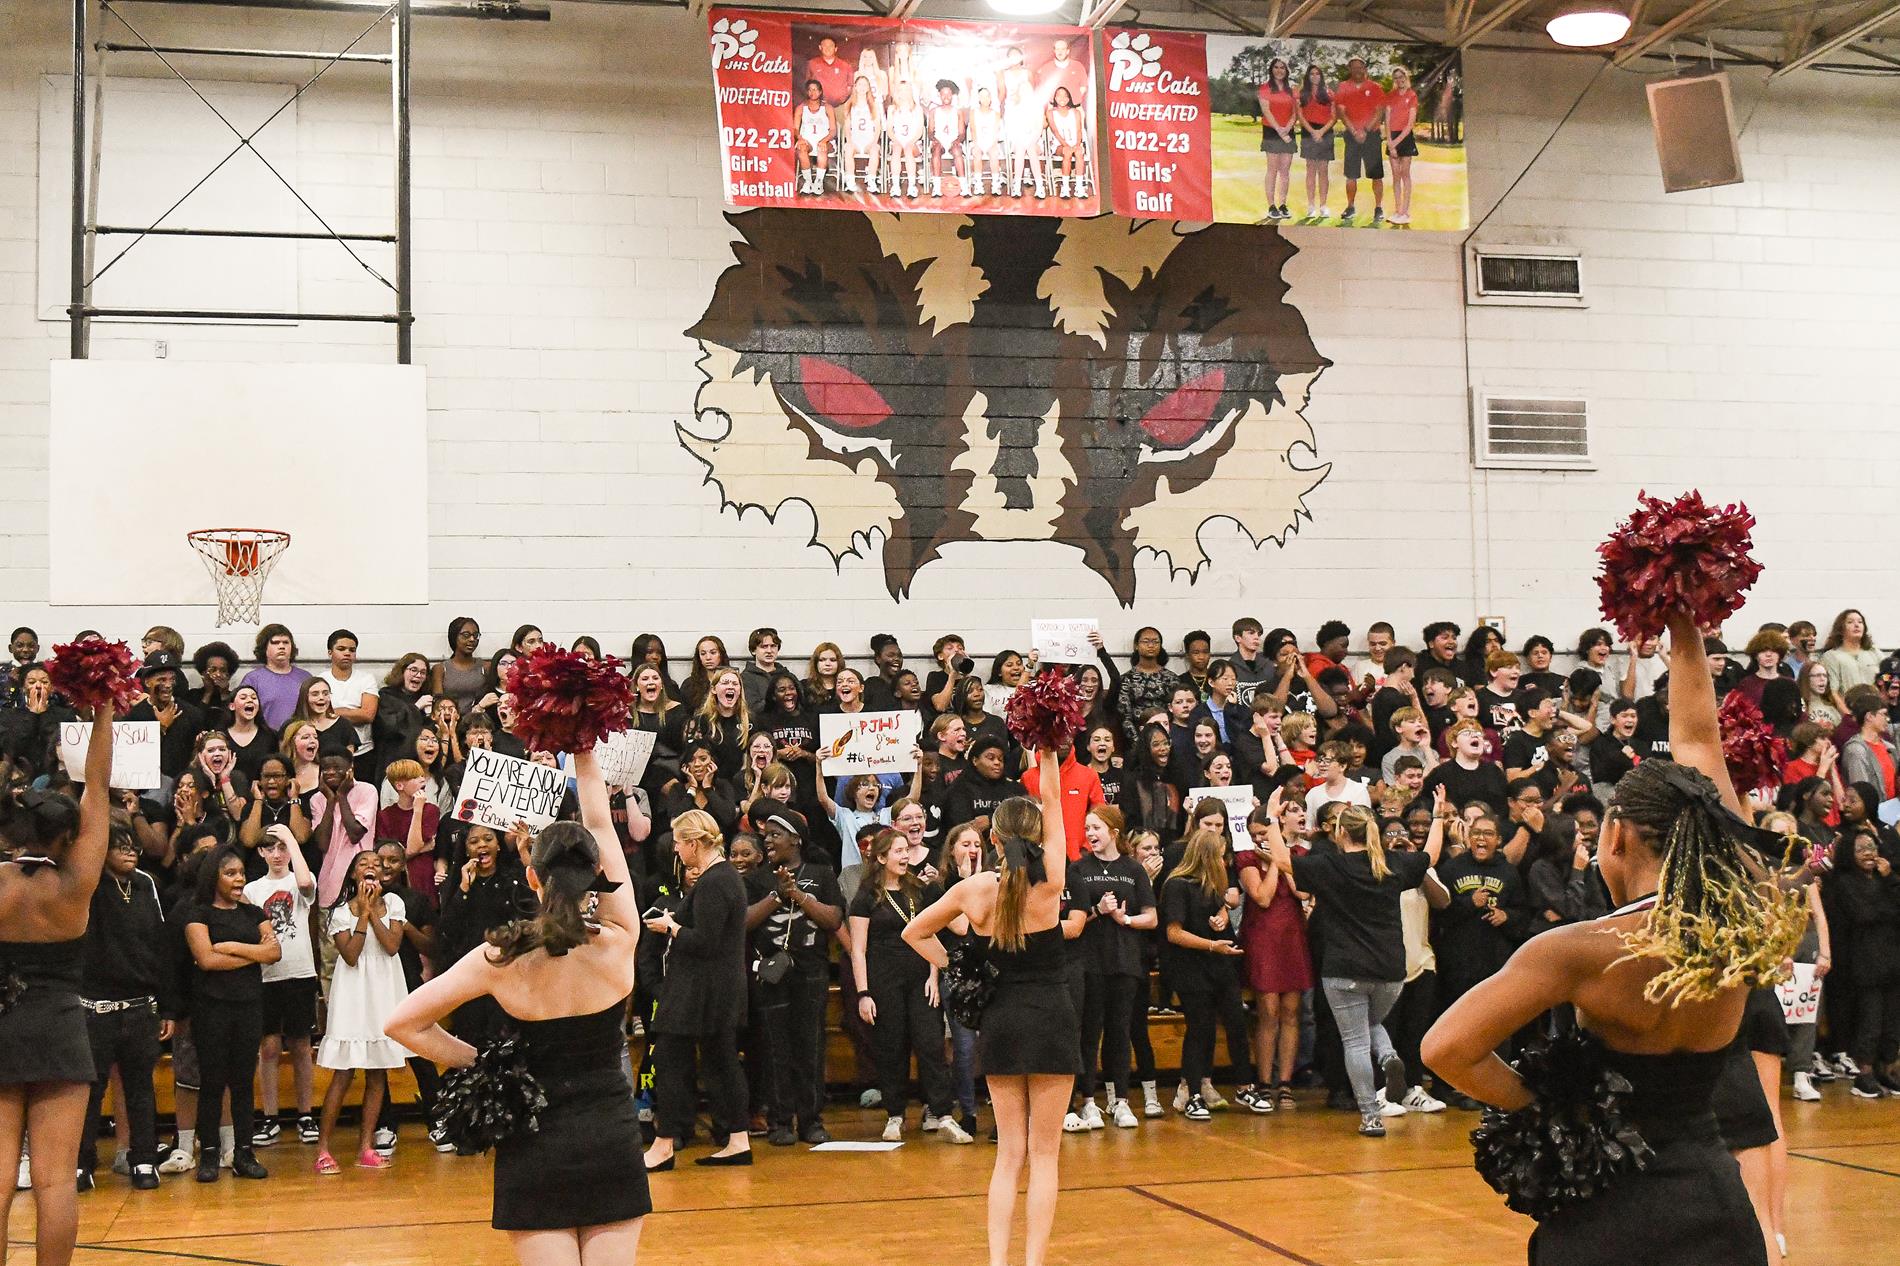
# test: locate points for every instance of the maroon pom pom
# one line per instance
(1752, 750)
(1682, 555)
(93, 672)
(1047, 712)
(566, 702)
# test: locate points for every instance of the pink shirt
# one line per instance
(340, 849)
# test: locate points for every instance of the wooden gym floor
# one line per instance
(1297, 1187)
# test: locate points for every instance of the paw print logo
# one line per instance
(732, 38)
(1131, 58)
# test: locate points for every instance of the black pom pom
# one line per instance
(492, 1099)
(12, 988)
(1573, 1142)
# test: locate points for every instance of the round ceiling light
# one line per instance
(1587, 25)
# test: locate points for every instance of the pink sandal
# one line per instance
(370, 1158)
(326, 1164)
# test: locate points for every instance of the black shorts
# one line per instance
(1365, 158)
(1317, 151)
(1407, 148)
(290, 1007)
(1270, 142)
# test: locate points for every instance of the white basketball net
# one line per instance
(239, 560)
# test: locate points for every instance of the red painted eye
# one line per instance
(844, 398)
(1185, 412)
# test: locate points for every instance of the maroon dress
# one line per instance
(1274, 938)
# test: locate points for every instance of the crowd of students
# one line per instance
(1414, 816)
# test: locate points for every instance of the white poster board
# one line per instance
(1239, 802)
(499, 791)
(1800, 996)
(134, 753)
(868, 742)
(1062, 641)
(623, 758)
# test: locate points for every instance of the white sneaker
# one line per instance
(225, 1158)
(1210, 1096)
(1124, 1115)
(894, 1129)
(1845, 1065)
(1418, 1100)
(179, 1161)
(932, 1123)
(1072, 1123)
(384, 1140)
(1150, 1105)
(949, 1129)
(1181, 1097)
(1092, 1115)
(1387, 1108)
(1804, 1089)
(24, 1181)
(1819, 1069)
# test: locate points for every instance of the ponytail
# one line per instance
(566, 860)
(1358, 819)
(1017, 820)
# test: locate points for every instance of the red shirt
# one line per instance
(1318, 113)
(1401, 110)
(1885, 760)
(392, 823)
(1359, 102)
(834, 77)
(1278, 106)
(1081, 791)
(1071, 74)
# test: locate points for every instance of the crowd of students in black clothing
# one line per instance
(235, 890)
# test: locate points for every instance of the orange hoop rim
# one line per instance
(240, 552)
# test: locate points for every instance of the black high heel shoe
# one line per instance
(737, 1158)
(664, 1167)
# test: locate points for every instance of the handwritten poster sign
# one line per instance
(623, 758)
(134, 753)
(868, 742)
(500, 791)
(1800, 995)
(1239, 802)
(1062, 641)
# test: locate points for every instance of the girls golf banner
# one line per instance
(842, 112)
(1343, 133)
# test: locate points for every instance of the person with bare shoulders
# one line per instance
(45, 1057)
(574, 1192)
(1661, 983)
(1029, 1044)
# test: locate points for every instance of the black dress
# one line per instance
(583, 1167)
(1030, 1027)
(1741, 1107)
(43, 1034)
(1688, 1208)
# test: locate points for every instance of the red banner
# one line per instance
(843, 112)
(1159, 147)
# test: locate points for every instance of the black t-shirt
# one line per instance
(1439, 720)
(786, 927)
(1362, 938)
(1108, 948)
(418, 912)
(1524, 750)
(1469, 948)
(1651, 739)
(1552, 684)
(1499, 712)
(240, 984)
(1611, 758)
(886, 957)
(1111, 780)
(1186, 904)
(1462, 785)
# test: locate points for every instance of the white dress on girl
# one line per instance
(362, 998)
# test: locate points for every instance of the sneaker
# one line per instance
(1865, 1087)
(1378, 216)
(224, 1158)
(178, 1161)
(370, 1158)
(1212, 1096)
(1394, 1070)
(815, 1135)
(1845, 1065)
(1890, 1084)
(932, 1123)
(894, 1129)
(83, 1180)
(1124, 1116)
(1092, 1115)
(266, 1133)
(1254, 1100)
(871, 1099)
(207, 1166)
(385, 1140)
(1819, 1069)
(1284, 1097)
(1418, 1100)
(1804, 1089)
(440, 1139)
(1181, 1097)
(1345, 217)
(1150, 1103)
(244, 1164)
(122, 1164)
(1196, 1110)
(1072, 1123)
(1386, 1107)
(949, 1129)
(1372, 1125)
(145, 1178)
(306, 1129)
(781, 1136)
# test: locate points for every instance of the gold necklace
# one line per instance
(125, 889)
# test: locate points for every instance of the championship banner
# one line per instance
(1333, 133)
(841, 112)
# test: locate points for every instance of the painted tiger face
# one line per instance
(925, 379)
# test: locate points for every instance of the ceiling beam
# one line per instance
(1874, 53)
(1228, 16)
(1683, 22)
(1103, 11)
(1502, 13)
(1883, 13)
(1303, 11)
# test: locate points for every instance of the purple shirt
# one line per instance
(276, 692)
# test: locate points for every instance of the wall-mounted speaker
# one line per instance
(1694, 120)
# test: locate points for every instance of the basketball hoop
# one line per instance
(239, 560)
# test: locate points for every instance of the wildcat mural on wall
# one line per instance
(1109, 384)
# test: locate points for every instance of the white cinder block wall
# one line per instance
(568, 229)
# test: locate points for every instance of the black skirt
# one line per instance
(1029, 1029)
(583, 1167)
(43, 1038)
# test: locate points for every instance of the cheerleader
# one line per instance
(905, 125)
(1065, 125)
(862, 126)
(1022, 125)
(946, 140)
(986, 141)
(812, 128)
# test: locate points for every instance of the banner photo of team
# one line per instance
(961, 117)
(1343, 133)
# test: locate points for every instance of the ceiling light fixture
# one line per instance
(1588, 25)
